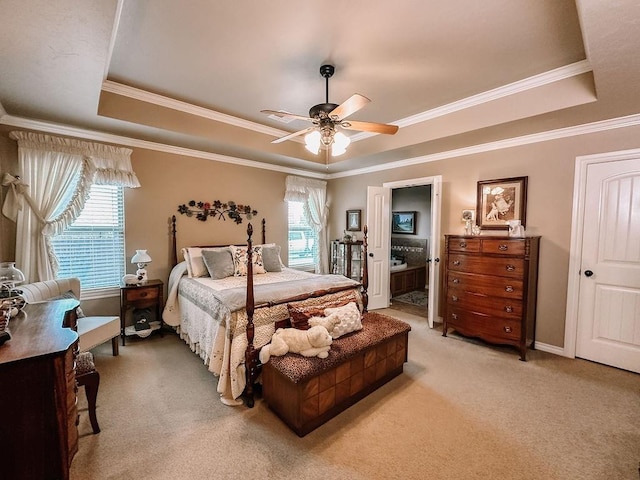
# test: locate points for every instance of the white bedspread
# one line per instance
(212, 320)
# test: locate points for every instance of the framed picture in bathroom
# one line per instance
(501, 201)
(403, 222)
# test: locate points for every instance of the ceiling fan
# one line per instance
(327, 117)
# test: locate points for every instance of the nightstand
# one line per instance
(147, 295)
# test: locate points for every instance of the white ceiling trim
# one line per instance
(112, 41)
(555, 75)
(57, 129)
(603, 125)
(167, 102)
(584, 129)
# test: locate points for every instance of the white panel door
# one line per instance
(378, 212)
(434, 250)
(609, 298)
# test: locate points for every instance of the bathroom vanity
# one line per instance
(408, 279)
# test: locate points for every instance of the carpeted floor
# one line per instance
(460, 410)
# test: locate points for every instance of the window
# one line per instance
(92, 248)
(303, 240)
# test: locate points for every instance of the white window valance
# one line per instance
(297, 188)
(111, 165)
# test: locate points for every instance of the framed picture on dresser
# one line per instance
(500, 201)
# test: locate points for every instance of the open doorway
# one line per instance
(380, 222)
(410, 239)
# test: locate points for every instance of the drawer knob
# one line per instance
(143, 294)
(503, 247)
(508, 309)
(507, 329)
(463, 244)
(508, 288)
(454, 298)
(510, 268)
(456, 262)
(456, 280)
(454, 316)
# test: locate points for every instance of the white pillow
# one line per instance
(349, 316)
(239, 255)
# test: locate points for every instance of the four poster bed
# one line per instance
(227, 313)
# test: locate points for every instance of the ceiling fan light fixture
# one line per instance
(312, 142)
(340, 144)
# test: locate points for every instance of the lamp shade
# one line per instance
(141, 256)
(312, 141)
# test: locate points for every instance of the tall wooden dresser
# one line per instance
(38, 413)
(491, 288)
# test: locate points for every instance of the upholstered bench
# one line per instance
(307, 392)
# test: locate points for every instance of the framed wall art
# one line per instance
(501, 200)
(354, 220)
(404, 222)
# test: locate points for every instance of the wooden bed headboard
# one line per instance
(174, 244)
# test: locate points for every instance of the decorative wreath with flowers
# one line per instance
(217, 209)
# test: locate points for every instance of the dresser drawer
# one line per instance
(497, 307)
(504, 267)
(464, 245)
(489, 285)
(483, 326)
(507, 246)
(141, 293)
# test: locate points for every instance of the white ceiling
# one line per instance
(193, 76)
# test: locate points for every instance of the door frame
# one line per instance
(575, 251)
(434, 242)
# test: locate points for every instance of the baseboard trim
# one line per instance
(545, 347)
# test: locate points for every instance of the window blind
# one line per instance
(303, 240)
(92, 248)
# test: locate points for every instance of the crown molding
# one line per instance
(167, 102)
(584, 129)
(530, 83)
(66, 130)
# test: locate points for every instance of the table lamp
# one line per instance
(142, 258)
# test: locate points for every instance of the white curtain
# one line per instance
(316, 211)
(55, 177)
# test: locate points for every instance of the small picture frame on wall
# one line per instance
(500, 201)
(404, 222)
(354, 220)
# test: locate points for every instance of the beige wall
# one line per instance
(550, 168)
(169, 180)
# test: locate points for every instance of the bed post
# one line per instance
(365, 272)
(174, 253)
(264, 231)
(250, 355)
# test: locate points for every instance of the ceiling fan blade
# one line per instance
(371, 127)
(292, 135)
(350, 106)
(286, 115)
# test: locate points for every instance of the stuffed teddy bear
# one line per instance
(314, 342)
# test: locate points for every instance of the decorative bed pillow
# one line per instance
(349, 319)
(240, 260)
(219, 263)
(198, 268)
(271, 258)
(187, 260)
(300, 315)
(302, 310)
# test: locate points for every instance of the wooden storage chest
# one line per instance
(307, 392)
